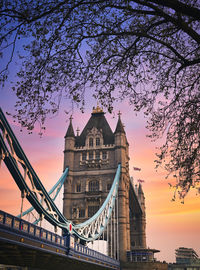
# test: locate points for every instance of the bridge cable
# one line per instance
(107, 232)
(111, 229)
(117, 202)
(22, 202)
(114, 230)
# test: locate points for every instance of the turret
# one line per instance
(142, 219)
(70, 130)
(121, 144)
(69, 146)
(141, 197)
(119, 127)
(122, 156)
(68, 162)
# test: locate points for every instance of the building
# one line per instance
(92, 157)
(186, 259)
(176, 266)
(185, 255)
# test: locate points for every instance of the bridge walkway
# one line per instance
(27, 245)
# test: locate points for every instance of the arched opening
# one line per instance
(93, 185)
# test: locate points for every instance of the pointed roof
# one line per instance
(119, 127)
(140, 190)
(98, 121)
(70, 130)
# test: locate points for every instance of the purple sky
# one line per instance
(169, 224)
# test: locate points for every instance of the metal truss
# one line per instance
(25, 176)
(95, 226)
(31, 188)
(53, 193)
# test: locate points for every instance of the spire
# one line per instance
(140, 190)
(119, 127)
(77, 131)
(70, 130)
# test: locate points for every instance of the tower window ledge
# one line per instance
(94, 193)
(93, 199)
(91, 161)
(109, 146)
(93, 196)
(79, 147)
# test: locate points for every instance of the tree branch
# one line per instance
(179, 7)
(179, 23)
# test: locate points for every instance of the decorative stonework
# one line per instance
(93, 135)
(95, 155)
(97, 109)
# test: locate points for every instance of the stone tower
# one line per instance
(92, 158)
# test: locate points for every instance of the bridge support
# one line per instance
(123, 233)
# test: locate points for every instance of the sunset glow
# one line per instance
(169, 224)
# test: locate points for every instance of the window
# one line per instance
(74, 212)
(92, 209)
(84, 156)
(97, 141)
(78, 188)
(90, 142)
(133, 243)
(94, 185)
(97, 155)
(108, 186)
(81, 213)
(90, 155)
(104, 155)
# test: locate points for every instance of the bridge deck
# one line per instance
(20, 247)
(39, 258)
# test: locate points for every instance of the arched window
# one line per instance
(93, 185)
(108, 186)
(78, 187)
(97, 141)
(90, 142)
(81, 213)
(133, 243)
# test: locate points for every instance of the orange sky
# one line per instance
(169, 224)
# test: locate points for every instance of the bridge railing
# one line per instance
(67, 243)
(12, 222)
(140, 255)
(90, 253)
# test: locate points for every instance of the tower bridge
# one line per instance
(99, 202)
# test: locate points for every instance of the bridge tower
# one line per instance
(92, 157)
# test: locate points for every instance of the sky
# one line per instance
(169, 224)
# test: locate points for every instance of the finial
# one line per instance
(77, 131)
(71, 118)
(119, 114)
(98, 109)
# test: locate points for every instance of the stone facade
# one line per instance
(144, 266)
(92, 158)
